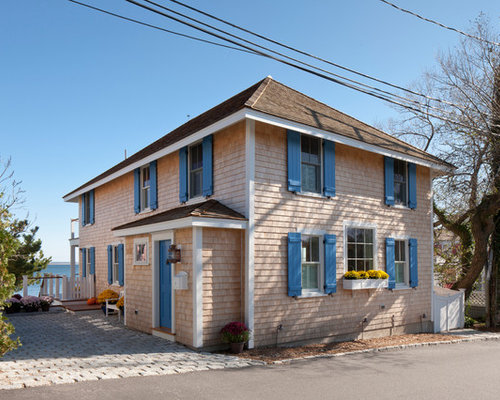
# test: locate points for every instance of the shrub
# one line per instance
(469, 322)
(17, 296)
(351, 275)
(106, 295)
(235, 332)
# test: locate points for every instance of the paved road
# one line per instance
(63, 347)
(454, 371)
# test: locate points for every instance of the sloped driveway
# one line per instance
(65, 347)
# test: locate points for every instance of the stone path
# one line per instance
(65, 347)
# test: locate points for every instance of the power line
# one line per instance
(384, 92)
(354, 87)
(439, 23)
(353, 71)
(160, 28)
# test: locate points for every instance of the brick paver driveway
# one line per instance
(65, 347)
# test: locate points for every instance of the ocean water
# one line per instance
(55, 269)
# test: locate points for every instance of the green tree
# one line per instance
(10, 229)
(28, 258)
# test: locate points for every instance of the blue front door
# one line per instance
(165, 282)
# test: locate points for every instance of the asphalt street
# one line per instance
(448, 371)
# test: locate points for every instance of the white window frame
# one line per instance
(360, 225)
(145, 242)
(142, 189)
(321, 264)
(397, 204)
(305, 192)
(198, 143)
(406, 240)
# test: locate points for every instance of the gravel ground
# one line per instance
(272, 354)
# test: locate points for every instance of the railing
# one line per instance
(61, 287)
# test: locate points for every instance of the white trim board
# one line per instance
(186, 222)
(261, 117)
(197, 287)
(249, 233)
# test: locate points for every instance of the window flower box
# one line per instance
(356, 284)
(354, 280)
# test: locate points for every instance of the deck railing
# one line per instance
(61, 287)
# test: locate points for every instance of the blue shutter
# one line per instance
(294, 264)
(92, 207)
(412, 185)
(83, 209)
(137, 190)
(208, 185)
(389, 180)
(389, 262)
(329, 168)
(121, 266)
(84, 263)
(330, 264)
(413, 263)
(92, 260)
(183, 178)
(110, 264)
(293, 146)
(153, 186)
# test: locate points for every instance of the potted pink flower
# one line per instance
(30, 303)
(12, 305)
(45, 302)
(236, 334)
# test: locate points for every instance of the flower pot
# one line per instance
(237, 348)
(356, 284)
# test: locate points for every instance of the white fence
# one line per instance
(449, 309)
(63, 288)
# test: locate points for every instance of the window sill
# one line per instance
(311, 194)
(141, 264)
(195, 200)
(308, 295)
(401, 207)
(145, 211)
(402, 287)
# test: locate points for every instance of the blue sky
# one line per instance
(77, 87)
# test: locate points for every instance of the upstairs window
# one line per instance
(400, 182)
(195, 170)
(310, 161)
(145, 187)
(87, 208)
(360, 249)
(115, 263)
(310, 164)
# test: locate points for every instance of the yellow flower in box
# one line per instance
(121, 302)
(105, 295)
(351, 275)
(363, 275)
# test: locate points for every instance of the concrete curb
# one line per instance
(388, 348)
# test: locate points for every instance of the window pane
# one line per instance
(309, 276)
(351, 251)
(351, 234)
(369, 264)
(360, 235)
(368, 250)
(360, 265)
(400, 276)
(195, 183)
(351, 265)
(396, 251)
(368, 236)
(315, 249)
(145, 177)
(310, 178)
(360, 251)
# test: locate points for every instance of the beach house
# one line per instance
(253, 211)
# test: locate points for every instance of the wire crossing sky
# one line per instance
(79, 87)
